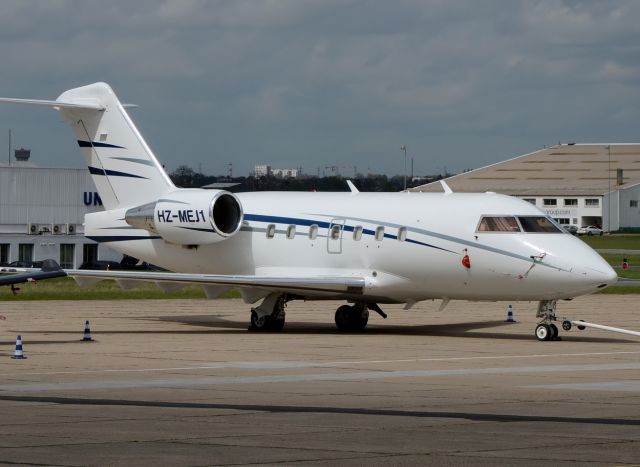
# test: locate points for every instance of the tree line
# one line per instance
(185, 177)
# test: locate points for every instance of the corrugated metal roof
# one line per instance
(563, 170)
(44, 195)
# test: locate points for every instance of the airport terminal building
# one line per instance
(576, 184)
(41, 215)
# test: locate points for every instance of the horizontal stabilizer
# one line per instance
(56, 104)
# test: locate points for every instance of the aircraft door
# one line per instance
(334, 236)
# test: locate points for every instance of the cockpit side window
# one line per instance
(538, 224)
(498, 224)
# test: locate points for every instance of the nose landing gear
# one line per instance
(546, 330)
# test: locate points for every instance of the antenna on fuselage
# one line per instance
(352, 187)
(446, 188)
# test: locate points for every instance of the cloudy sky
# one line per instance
(328, 83)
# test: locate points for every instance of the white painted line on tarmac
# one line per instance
(274, 365)
(181, 381)
(620, 386)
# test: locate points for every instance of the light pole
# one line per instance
(609, 194)
(404, 148)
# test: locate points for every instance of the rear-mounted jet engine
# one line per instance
(190, 217)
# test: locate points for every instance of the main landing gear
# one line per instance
(546, 330)
(269, 315)
(355, 317)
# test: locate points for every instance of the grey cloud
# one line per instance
(296, 82)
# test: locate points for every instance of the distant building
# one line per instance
(285, 173)
(262, 170)
(579, 184)
(42, 214)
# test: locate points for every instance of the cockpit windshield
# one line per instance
(538, 224)
(529, 224)
(498, 224)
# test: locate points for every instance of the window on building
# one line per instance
(357, 233)
(313, 232)
(291, 232)
(498, 224)
(67, 253)
(271, 230)
(592, 202)
(25, 252)
(530, 200)
(562, 220)
(570, 201)
(538, 224)
(633, 203)
(335, 232)
(4, 253)
(379, 233)
(89, 253)
(574, 221)
(550, 202)
(402, 234)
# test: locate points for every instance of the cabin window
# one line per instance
(498, 224)
(379, 233)
(291, 232)
(402, 234)
(335, 232)
(271, 230)
(313, 232)
(357, 233)
(538, 224)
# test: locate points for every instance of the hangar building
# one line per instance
(41, 215)
(576, 184)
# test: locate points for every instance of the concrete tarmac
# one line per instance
(184, 383)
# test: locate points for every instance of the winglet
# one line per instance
(446, 188)
(352, 187)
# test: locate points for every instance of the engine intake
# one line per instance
(190, 217)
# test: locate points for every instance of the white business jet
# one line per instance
(365, 248)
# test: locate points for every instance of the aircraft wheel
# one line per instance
(258, 323)
(277, 325)
(554, 331)
(566, 325)
(360, 318)
(343, 321)
(543, 332)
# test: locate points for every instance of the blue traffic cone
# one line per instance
(87, 332)
(18, 355)
(510, 315)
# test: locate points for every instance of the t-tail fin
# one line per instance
(123, 167)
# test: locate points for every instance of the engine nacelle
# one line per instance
(190, 217)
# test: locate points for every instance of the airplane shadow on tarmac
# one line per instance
(216, 325)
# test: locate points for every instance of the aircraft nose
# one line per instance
(598, 271)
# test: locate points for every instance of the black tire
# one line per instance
(554, 331)
(342, 317)
(258, 324)
(277, 325)
(589, 233)
(566, 325)
(601, 233)
(359, 319)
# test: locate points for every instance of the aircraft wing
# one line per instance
(314, 285)
(50, 269)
